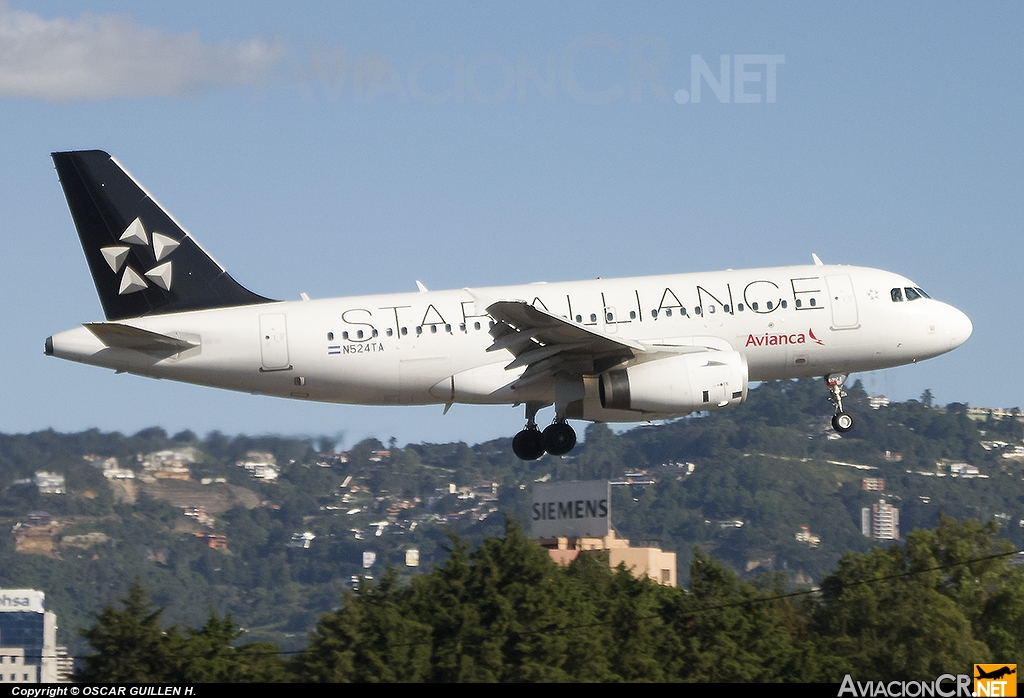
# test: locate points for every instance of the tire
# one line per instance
(528, 444)
(559, 439)
(842, 422)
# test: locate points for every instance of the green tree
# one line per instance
(727, 630)
(914, 610)
(501, 613)
(207, 656)
(130, 645)
(370, 638)
(504, 612)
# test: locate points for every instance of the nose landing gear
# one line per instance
(841, 421)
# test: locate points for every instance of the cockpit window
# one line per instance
(897, 295)
(921, 292)
(912, 295)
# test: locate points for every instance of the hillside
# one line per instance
(269, 529)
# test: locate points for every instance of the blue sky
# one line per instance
(350, 148)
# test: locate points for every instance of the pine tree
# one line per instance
(130, 645)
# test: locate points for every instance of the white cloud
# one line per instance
(96, 56)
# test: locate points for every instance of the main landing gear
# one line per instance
(531, 443)
(841, 421)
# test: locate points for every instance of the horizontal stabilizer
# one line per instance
(114, 334)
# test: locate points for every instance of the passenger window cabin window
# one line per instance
(419, 329)
(632, 315)
(753, 306)
(389, 332)
(668, 312)
(344, 335)
(405, 331)
(799, 302)
(912, 295)
(374, 333)
(608, 317)
(654, 313)
(579, 318)
(476, 325)
(447, 328)
(462, 326)
(739, 307)
(897, 295)
(711, 310)
(769, 305)
(697, 311)
(783, 304)
(725, 308)
(330, 338)
(359, 334)
(433, 329)
(813, 302)
(593, 317)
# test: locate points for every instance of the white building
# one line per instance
(49, 483)
(28, 638)
(880, 521)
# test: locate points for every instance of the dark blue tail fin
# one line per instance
(141, 260)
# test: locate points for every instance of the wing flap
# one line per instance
(548, 344)
(548, 328)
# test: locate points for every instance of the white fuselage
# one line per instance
(431, 347)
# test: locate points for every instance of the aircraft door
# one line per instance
(274, 342)
(843, 302)
(610, 324)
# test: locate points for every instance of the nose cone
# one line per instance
(960, 327)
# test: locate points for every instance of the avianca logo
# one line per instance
(774, 340)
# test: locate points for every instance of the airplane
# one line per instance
(602, 350)
(995, 673)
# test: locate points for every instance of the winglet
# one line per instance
(480, 301)
(817, 262)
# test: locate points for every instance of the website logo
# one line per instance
(995, 680)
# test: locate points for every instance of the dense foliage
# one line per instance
(505, 612)
(131, 647)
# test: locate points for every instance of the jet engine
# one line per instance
(706, 380)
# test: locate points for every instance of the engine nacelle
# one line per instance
(707, 380)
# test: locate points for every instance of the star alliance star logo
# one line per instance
(131, 280)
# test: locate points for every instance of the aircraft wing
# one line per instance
(546, 343)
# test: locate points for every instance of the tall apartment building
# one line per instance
(880, 521)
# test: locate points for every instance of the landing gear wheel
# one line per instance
(842, 422)
(528, 444)
(559, 439)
